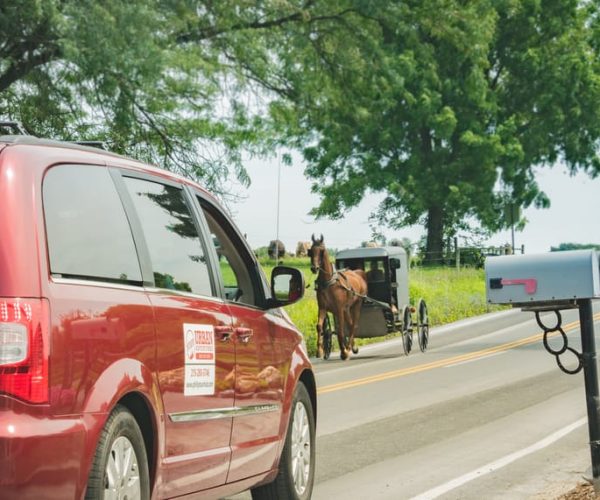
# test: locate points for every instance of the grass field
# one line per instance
(450, 295)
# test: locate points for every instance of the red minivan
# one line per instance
(142, 352)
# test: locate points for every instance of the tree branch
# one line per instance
(494, 81)
(213, 31)
(23, 54)
(21, 67)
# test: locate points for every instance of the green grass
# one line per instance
(303, 312)
(450, 295)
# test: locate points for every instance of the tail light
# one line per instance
(24, 349)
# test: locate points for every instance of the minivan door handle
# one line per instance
(244, 334)
(223, 333)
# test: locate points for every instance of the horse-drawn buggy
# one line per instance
(349, 310)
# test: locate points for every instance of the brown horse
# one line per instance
(338, 292)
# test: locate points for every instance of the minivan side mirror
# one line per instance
(287, 286)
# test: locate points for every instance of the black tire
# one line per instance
(121, 432)
(302, 424)
(327, 338)
(407, 330)
(423, 327)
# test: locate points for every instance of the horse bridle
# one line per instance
(310, 253)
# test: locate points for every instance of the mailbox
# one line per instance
(555, 277)
(551, 282)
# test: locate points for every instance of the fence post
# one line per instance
(457, 253)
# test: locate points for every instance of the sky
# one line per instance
(574, 215)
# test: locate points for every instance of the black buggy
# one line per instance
(387, 308)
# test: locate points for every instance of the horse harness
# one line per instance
(340, 278)
(337, 277)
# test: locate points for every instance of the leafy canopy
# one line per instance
(443, 105)
(120, 71)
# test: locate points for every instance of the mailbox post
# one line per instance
(554, 282)
(590, 374)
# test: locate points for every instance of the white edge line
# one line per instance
(456, 325)
(501, 462)
(474, 320)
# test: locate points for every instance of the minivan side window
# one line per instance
(87, 230)
(178, 259)
(239, 279)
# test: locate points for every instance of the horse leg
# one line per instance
(320, 321)
(341, 320)
(355, 316)
(348, 316)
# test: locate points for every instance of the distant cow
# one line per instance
(302, 248)
(276, 249)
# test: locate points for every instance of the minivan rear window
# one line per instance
(87, 230)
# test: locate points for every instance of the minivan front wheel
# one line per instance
(297, 465)
(120, 467)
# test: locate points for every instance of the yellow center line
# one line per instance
(443, 362)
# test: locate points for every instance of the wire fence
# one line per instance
(466, 256)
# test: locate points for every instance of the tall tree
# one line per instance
(165, 81)
(445, 106)
(116, 71)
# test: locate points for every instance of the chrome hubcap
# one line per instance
(122, 478)
(300, 448)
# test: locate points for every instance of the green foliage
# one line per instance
(450, 294)
(443, 105)
(122, 71)
(229, 278)
(262, 253)
(471, 257)
(575, 246)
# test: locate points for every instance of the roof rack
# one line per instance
(14, 127)
(33, 140)
(92, 144)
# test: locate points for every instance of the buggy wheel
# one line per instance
(423, 327)
(327, 338)
(407, 330)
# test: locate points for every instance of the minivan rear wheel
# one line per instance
(120, 467)
(297, 465)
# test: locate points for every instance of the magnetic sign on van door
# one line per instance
(199, 352)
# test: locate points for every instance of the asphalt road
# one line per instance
(485, 413)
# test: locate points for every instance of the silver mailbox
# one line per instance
(542, 278)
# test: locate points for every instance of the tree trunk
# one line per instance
(435, 237)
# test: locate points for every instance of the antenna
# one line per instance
(91, 144)
(278, 203)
